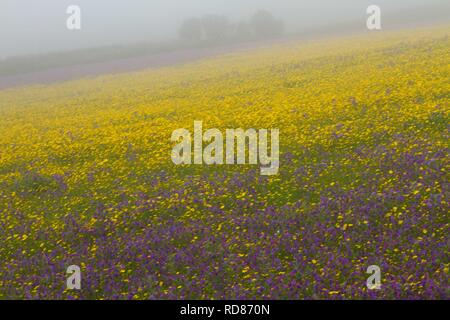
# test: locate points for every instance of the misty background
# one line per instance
(34, 27)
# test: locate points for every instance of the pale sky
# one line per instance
(38, 26)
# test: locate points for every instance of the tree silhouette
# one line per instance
(215, 27)
(264, 25)
(191, 30)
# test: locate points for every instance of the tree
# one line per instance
(191, 30)
(264, 25)
(243, 31)
(215, 27)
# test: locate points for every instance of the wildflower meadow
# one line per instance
(87, 179)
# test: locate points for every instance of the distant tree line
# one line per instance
(261, 25)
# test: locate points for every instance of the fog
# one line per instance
(30, 27)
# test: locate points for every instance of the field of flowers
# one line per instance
(86, 177)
